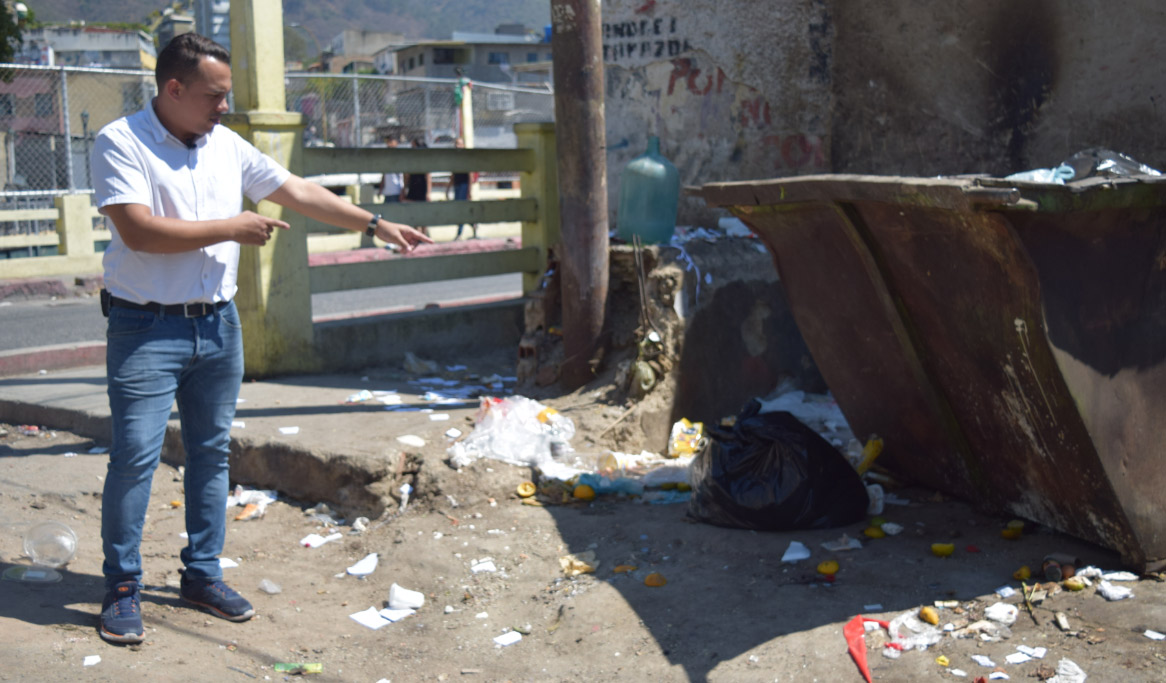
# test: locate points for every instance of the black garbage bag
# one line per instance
(771, 472)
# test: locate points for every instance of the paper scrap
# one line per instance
(796, 551)
(238, 424)
(91, 660)
(364, 567)
(227, 563)
(483, 565)
(453, 432)
(371, 618)
(316, 540)
(1154, 635)
(1034, 652)
(288, 431)
(1017, 658)
(396, 614)
(1006, 591)
(984, 661)
(411, 440)
(508, 638)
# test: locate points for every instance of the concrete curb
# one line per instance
(56, 356)
(348, 484)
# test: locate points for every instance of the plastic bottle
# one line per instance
(649, 191)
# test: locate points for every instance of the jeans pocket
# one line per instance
(230, 316)
(125, 322)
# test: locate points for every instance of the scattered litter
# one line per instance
(365, 566)
(579, 563)
(396, 614)
(483, 565)
(403, 598)
(1068, 672)
(418, 366)
(844, 542)
(515, 430)
(1034, 652)
(958, 673)
(238, 424)
(1003, 613)
(891, 529)
(323, 514)
(1006, 591)
(482, 615)
(98, 450)
(270, 587)
(359, 525)
(298, 668)
(1062, 621)
(908, 632)
(453, 432)
(508, 638)
(998, 676)
(253, 501)
(1119, 576)
(987, 631)
(316, 540)
(438, 417)
(411, 440)
(1154, 635)
(892, 499)
(983, 661)
(92, 660)
(289, 431)
(1112, 593)
(70, 454)
(227, 563)
(360, 397)
(375, 619)
(655, 580)
(796, 551)
(405, 490)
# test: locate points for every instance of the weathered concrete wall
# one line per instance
(925, 88)
(757, 89)
(734, 90)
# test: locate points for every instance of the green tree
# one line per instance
(10, 27)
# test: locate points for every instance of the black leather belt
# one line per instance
(197, 309)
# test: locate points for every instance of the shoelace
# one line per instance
(118, 604)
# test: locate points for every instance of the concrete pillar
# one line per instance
(541, 184)
(274, 296)
(74, 225)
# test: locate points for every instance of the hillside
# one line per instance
(327, 18)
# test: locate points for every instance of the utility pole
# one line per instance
(582, 166)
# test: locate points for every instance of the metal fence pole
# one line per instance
(358, 139)
(68, 130)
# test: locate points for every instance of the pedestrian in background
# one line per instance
(392, 187)
(459, 184)
(170, 181)
(418, 185)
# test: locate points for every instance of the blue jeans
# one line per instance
(151, 361)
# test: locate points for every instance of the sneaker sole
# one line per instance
(124, 639)
(219, 613)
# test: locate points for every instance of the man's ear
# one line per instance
(173, 88)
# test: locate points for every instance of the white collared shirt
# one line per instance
(136, 160)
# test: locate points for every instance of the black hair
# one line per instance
(182, 55)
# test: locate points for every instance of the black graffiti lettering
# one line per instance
(673, 48)
(656, 26)
(660, 48)
(672, 25)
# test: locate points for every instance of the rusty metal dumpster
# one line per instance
(1008, 340)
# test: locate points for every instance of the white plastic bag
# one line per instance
(516, 430)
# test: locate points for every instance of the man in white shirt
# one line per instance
(171, 181)
(392, 186)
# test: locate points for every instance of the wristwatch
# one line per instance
(371, 230)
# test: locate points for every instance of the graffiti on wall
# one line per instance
(643, 39)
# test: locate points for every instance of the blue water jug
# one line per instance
(649, 192)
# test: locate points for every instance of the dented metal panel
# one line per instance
(1008, 340)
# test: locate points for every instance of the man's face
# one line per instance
(202, 101)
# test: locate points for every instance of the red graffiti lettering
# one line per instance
(796, 151)
(680, 69)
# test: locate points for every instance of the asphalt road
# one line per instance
(27, 324)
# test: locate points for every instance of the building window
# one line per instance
(410, 66)
(421, 59)
(531, 57)
(6, 105)
(498, 58)
(44, 104)
(444, 55)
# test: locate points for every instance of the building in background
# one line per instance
(212, 18)
(172, 24)
(81, 45)
(353, 51)
(512, 54)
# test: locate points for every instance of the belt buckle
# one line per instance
(198, 308)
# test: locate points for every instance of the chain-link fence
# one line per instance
(49, 116)
(347, 110)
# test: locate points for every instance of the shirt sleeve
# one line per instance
(262, 175)
(118, 175)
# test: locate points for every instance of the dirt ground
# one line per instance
(731, 610)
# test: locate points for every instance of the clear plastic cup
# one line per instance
(50, 544)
